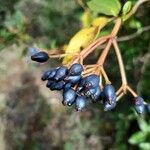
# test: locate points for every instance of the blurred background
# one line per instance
(31, 116)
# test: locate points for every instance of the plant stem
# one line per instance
(114, 32)
(120, 62)
(86, 51)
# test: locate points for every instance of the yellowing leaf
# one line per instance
(100, 21)
(79, 41)
(86, 19)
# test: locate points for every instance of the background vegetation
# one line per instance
(31, 117)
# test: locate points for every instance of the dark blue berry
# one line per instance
(89, 92)
(96, 95)
(91, 81)
(139, 105)
(69, 97)
(75, 69)
(61, 73)
(80, 103)
(73, 79)
(88, 82)
(109, 93)
(57, 85)
(67, 86)
(49, 83)
(80, 85)
(40, 57)
(52, 74)
(46, 75)
(108, 106)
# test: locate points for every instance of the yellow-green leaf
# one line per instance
(107, 7)
(79, 41)
(126, 7)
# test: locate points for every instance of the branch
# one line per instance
(134, 35)
(135, 7)
(120, 61)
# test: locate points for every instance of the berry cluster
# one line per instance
(77, 88)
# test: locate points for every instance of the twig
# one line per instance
(104, 54)
(134, 9)
(120, 61)
(134, 35)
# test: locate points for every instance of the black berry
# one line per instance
(80, 103)
(61, 73)
(109, 94)
(69, 97)
(139, 105)
(75, 69)
(57, 85)
(40, 57)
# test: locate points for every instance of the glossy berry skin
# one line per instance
(49, 83)
(88, 82)
(89, 92)
(91, 81)
(73, 79)
(57, 85)
(108, 106)
(109, 93)
(139, 105)
(80, 103)
(67, 86)
(61, 73)
(40, 57)
(69, 97)
(52, 74)
(46, 75)
(75, 69)
(96, 95)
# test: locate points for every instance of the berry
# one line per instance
(75, 69)
(49, 83)
(46, 75)
(139, 105)
(73, 79)
(80, 86)
(40, 57)
(109, 93)
(91, 81)
(88, 82)
(89, 92)
(52, 74)
(108, 106)
(96, 95)
(61, 73)
(69, 97)
(67, 86)
(80, 103)
(57, 85)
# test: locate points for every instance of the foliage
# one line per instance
(47, 25)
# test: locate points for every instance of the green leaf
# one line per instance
(107, 7)
(145, 146)
(127, 7)
(143, 125)
(137, 137)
